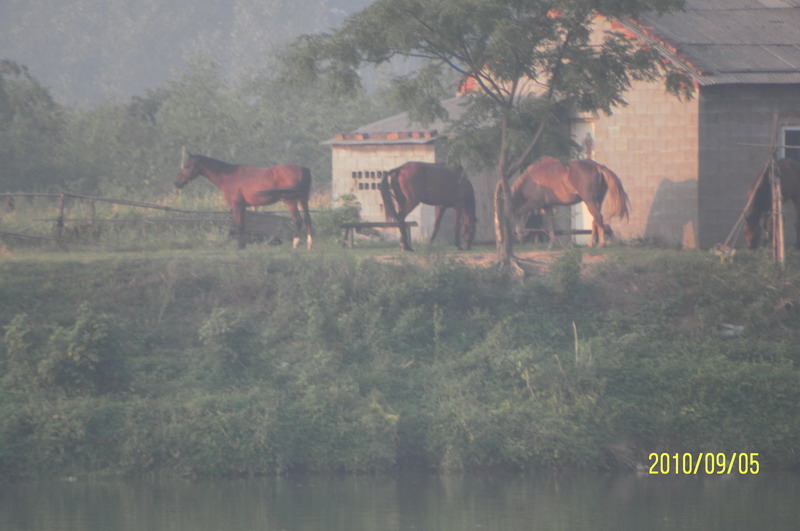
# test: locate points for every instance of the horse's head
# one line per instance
(190, 169)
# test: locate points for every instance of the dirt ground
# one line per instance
(532, 260)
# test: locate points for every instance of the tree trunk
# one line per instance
(504, 236)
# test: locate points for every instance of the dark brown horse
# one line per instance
(788, 172)
(248, 186)
(548, 183)
(432, 184)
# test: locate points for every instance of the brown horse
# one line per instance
(432, 184)
(248, 186)
(788, 171)
(548, 183)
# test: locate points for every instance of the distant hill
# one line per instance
(86, 51)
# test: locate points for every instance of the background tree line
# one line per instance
(133, 147)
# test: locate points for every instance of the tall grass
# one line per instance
(199, 218)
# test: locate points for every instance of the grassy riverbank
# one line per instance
(269, 361)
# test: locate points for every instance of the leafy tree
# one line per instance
(113, 148)
(527, 61)
(31, 126)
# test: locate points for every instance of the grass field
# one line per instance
(184, 359)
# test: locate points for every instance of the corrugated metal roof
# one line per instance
(399, 129)
(732, 41)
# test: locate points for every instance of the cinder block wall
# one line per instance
(652, 145)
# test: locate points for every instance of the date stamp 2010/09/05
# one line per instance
(708, 463)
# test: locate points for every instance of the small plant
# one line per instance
(20, 342)
(83, 358)
(326, 221)
(229, 342)
(567, 269)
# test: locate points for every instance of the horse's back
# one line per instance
(279, 176)
(550, 178)
(428, 182)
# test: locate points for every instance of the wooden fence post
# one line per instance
(60, 219)
(778, 253)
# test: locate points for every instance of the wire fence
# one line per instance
(71, 223)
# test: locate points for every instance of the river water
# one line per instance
(768, 501)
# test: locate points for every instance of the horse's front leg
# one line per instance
(437, 222)
(549, 216)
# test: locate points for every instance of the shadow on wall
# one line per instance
(673, 214)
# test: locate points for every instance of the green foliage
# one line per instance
(567, 269)
(84, 358)
(266, 362)
(32, 128)
(20, 341)
(132, 149)
(229, 342)
(326, 221)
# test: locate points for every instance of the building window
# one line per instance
(791, 142)
(372, 176)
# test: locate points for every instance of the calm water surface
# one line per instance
(769, 501)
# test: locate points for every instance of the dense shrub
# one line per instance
(271, 361)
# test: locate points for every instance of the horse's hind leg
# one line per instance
(598, 226)
(405, 232)
(298, 222)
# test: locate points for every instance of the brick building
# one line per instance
(686, 165)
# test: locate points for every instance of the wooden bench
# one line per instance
(351, 228)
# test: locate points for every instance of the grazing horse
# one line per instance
(432, 184)
(548, 183)
(788, 172)
(248, 186)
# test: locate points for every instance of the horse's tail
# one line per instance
(386, 193)
(619, 202)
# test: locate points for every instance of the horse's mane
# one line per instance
(217, 166)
